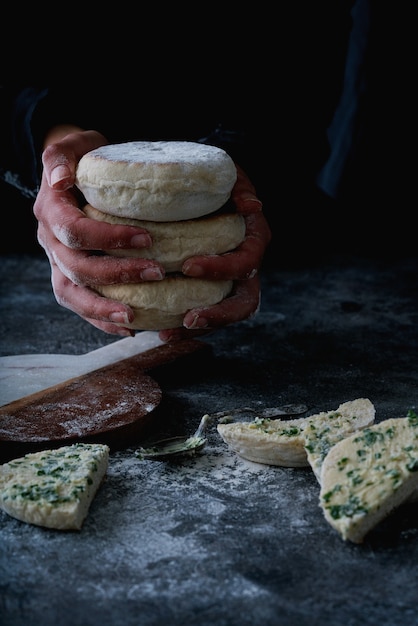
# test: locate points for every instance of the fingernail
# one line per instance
(125, 332)
(250, 198)
(152, 273)
(192, 269)
(141, 241)
(59, 174)
(119, 317)
(197, 322)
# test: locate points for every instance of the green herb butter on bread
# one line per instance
(296, 442)
(366, 476)
(53, 488)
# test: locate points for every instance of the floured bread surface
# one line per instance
(367, 475)
(296, 442)
(163, 304)
(174, 242)
(53, 488)
(161, 181)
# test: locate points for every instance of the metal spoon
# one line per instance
(176, 446)
(188, 446)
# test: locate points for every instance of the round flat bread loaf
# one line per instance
(162, 181)
(163, 304)
(174, 242)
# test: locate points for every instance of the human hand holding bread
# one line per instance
(71, 241)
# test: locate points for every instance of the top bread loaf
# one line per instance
(161, 181)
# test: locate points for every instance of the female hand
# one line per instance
(71, 240)
(241, 265)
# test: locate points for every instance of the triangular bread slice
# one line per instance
(53, 488)
(367, 475)
(283, 442)
(321, 435)
(263, 440)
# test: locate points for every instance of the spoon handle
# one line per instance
(203, 423)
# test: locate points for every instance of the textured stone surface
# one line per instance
(215, 539)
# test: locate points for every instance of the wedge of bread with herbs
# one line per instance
(367, 475)
(297, 442)
(54, 488)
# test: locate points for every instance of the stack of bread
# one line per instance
(179, 191)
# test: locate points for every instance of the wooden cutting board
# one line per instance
(102, 404)
(24, 374)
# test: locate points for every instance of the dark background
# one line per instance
(288, 72)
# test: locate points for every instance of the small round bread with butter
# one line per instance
(178, 191)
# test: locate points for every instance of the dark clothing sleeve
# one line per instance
(268, 105)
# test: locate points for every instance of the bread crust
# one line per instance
(161, 181)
